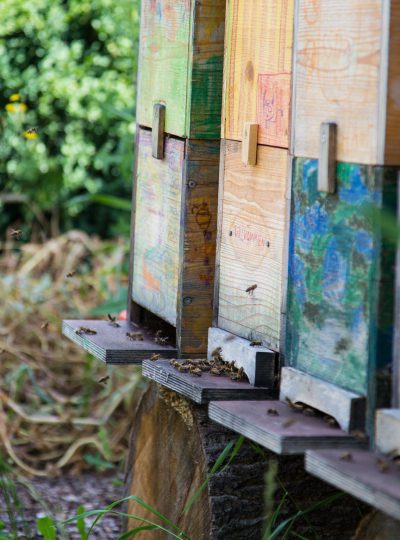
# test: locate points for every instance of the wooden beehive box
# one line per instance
(181, 63)
(347, 71)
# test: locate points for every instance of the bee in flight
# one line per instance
(32, 131)
(70, 274)
(16, 233)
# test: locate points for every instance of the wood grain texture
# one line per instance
(341, 280)
(258, 65)
(205, 388)
(111, 345)
(360, 477)
(396, 339)
(157, 227)
(347, 408)
(197, 245)
(284, 433)
(343, 50)
(180, 65)
(252, 243)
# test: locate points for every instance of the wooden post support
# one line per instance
(327, 158)
(249, 146)
(157, 141)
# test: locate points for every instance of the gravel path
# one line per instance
(63, 495)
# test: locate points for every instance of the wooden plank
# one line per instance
(285, 432)
(341, 75)
(387, 431)
(396, 339)
(111, 344)
(180, 65)
(249, 144)
(327, 158)
(252, 244)
(157, 143)
(346, 407)
(157, 227)
(258, 362)
(340, 291)
(205, 388)
(258, 65)
(197, 245)
(360, 476)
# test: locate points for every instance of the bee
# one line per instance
(289, 422)
(229, 338)
(308, 411)
(71, 274)
(172, 362)
(45, 325)
(216, 353)
(159, 339)
(239, 375)
(32, 130)
(84, 330)
(182, 367)
(113, 320)
(255, 343)
(155, 357)
(296, 407)
(135, 336)
(272, 412)
(215, 371)
(359, 435)
(103, 380)
(330, 421)
(250, 290)
(16, 233)
(382, 464)
(346, 456)
(195, 371)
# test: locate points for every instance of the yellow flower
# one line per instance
(16, 107)
(14, 97)
(30, 135)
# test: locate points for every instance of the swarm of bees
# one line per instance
(85, 330)
(217, 366)
(135, 336)
(113, 320)
(159, 338)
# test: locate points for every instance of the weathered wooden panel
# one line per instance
(252, 243)
(258, 65)
(157, 226)
(205, 388)
(112, 345)
(387, 431)
(284, 431)
(341, 75)
(341, 279)
(198, 238)
(180, 65)
(363, 475)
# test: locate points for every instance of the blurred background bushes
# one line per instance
(67, 68)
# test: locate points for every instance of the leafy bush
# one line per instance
(67, 68)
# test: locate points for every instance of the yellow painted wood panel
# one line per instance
(340, 76)
(258, 66)
(157, 227)
(252, 243)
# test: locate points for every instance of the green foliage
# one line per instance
(68, 69)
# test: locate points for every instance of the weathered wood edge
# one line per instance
(387, 430)
(383, 84)
(396, 337)
(219, 232)
(197, 392)
(339, 474)
(270, 437)
(292, 121)
(346, 407)
(258, 362)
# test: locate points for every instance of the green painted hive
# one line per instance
(341, 278)
(180, 65)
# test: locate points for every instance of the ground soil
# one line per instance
(63, 495)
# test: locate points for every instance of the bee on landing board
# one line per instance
(113, 320)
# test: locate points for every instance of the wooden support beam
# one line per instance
(205, 388)
(249, 144)
(346, 407)
(111, 344)
(327, 158)
(276, 426)
(365, 475)
(258, 362)
(157, 134)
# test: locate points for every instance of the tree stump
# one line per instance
(173, 447)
